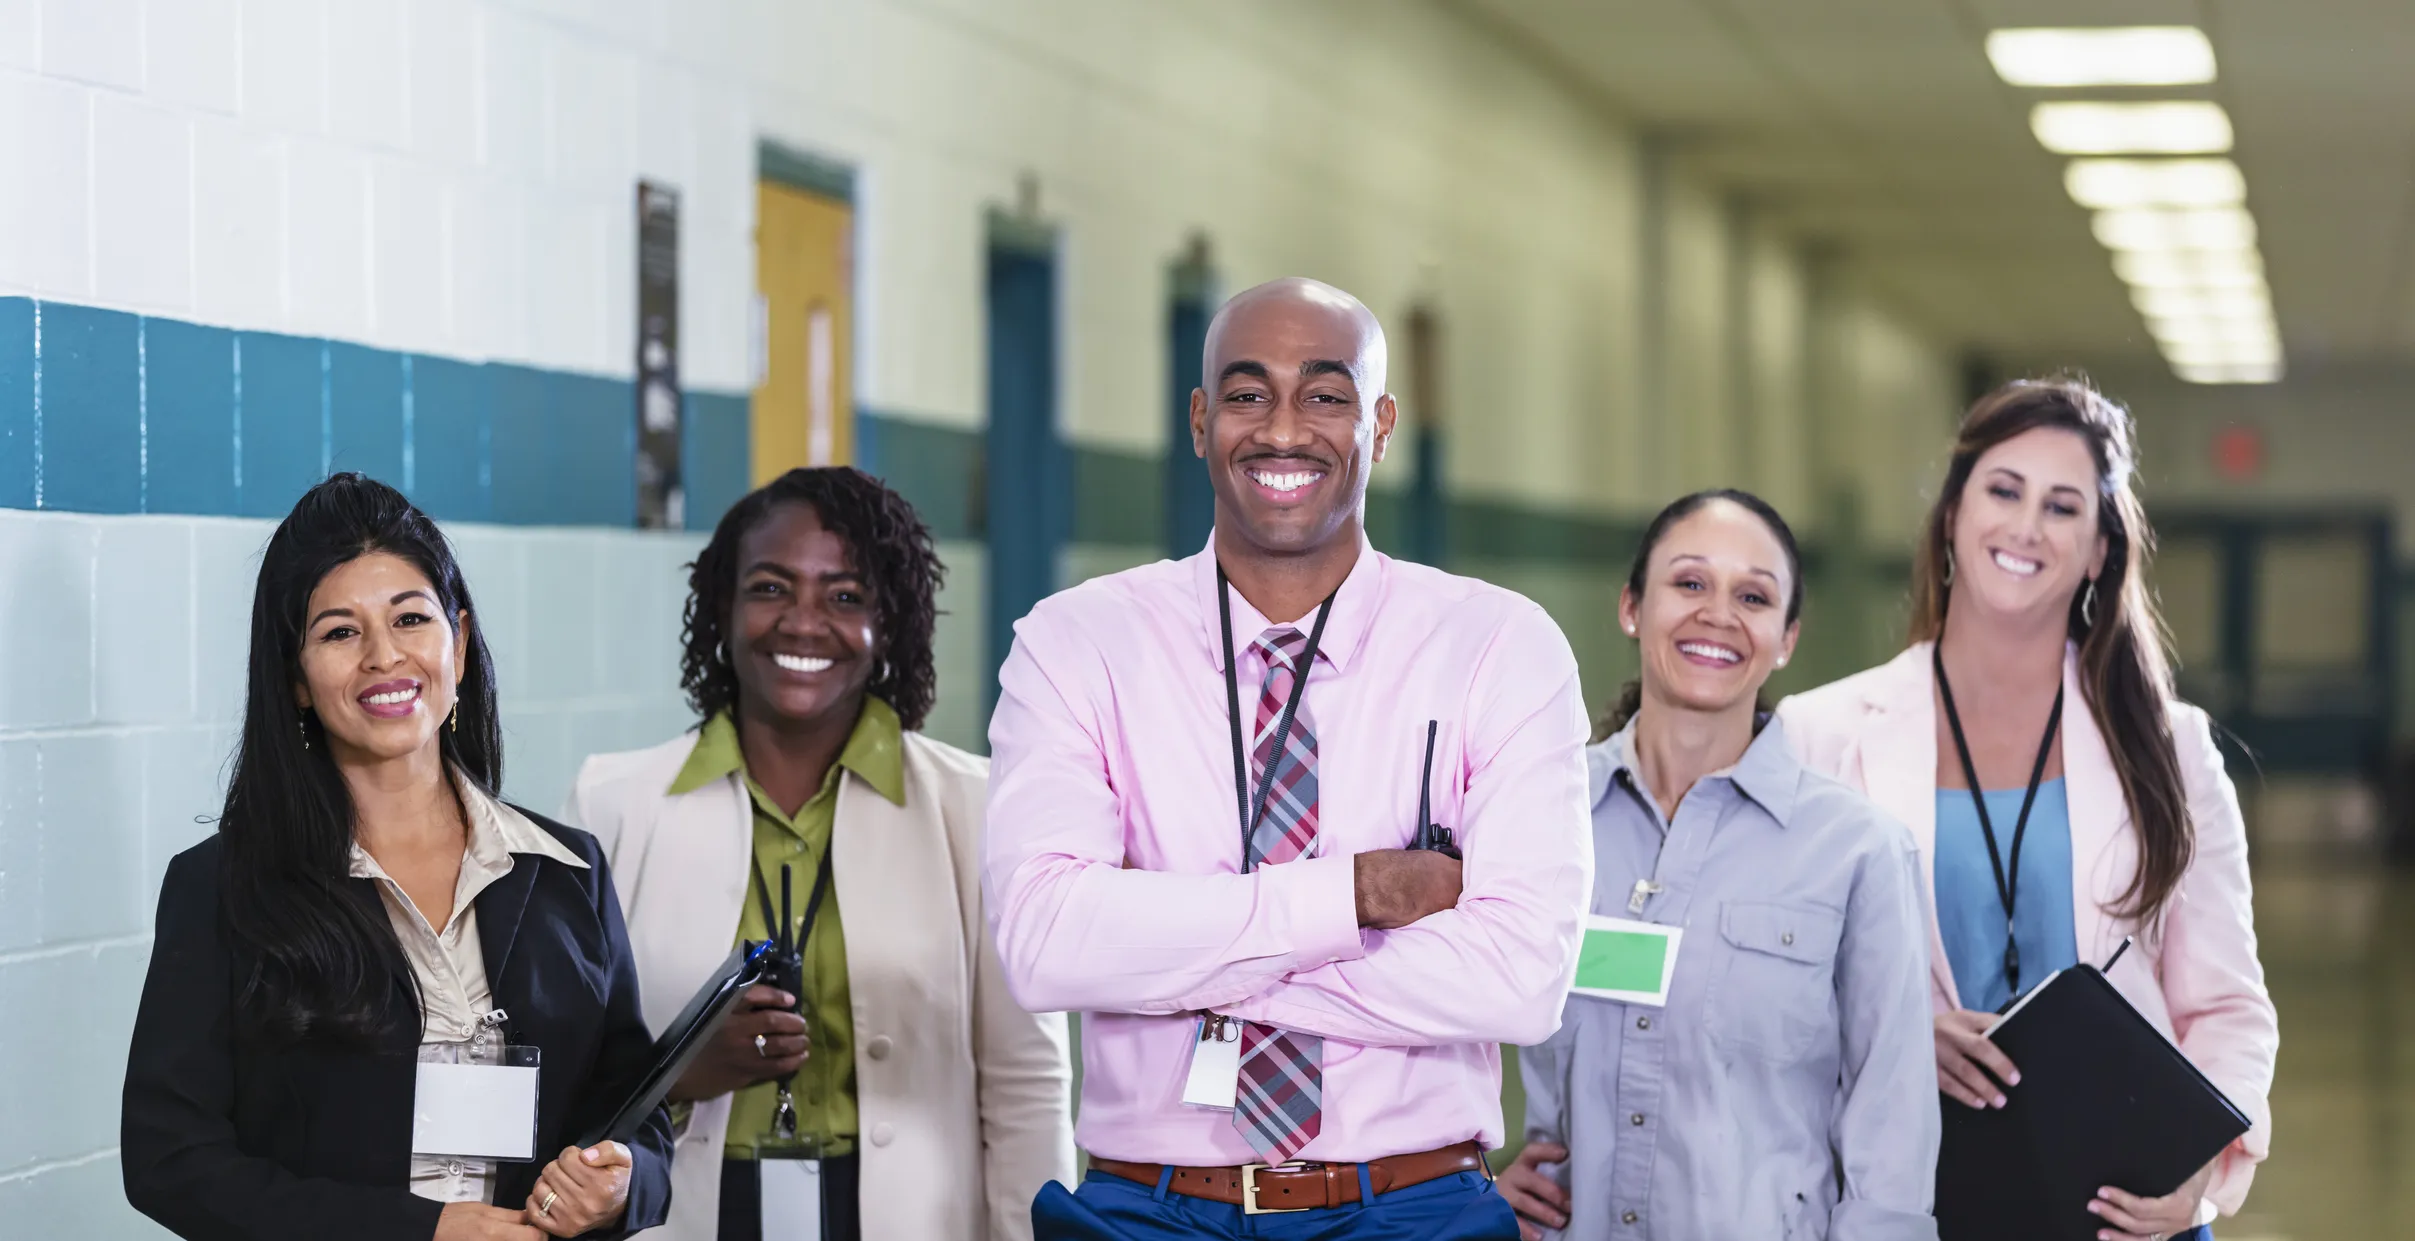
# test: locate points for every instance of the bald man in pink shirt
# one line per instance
(1204, 825)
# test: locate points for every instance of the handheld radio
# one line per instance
(1431, 835)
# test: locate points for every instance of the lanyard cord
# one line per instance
(778, 929)
(1254, 810)
(2008, 889)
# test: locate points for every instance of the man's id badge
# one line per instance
(1626, 960)
(791, 1189)
(1215, 1063)
(476, 1101)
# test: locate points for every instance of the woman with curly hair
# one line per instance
(888, 1084)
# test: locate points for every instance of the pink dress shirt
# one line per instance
(1112, 863)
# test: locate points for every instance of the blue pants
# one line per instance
(1460, 1207)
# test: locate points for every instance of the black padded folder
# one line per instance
(2104, 1099)
(683, 1040)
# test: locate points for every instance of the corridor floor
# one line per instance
(2338, 943)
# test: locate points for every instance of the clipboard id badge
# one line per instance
(477, 1099)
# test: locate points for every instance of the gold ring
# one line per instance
(546, 1207)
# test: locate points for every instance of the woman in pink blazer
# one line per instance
(2037, 674)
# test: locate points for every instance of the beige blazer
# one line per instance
(965, 1100)
(2197, 977)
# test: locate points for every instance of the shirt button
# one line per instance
(1643, 1023)
(1627, 1218)
(1787, 939)
(1636, 1119)
(879, 1047)
(882, 1134)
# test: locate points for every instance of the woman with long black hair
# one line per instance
(376, 978)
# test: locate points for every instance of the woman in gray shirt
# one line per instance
(1780, 1083)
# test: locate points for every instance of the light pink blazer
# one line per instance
(2199, 980)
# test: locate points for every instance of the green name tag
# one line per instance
(1626, 961)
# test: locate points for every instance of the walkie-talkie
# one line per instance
(784, 965)
(785, 969)
(1431, 835)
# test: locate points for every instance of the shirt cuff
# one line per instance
(1319, 898)
(1858, 1219)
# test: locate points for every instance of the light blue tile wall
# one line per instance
(107, 412)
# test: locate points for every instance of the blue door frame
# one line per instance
(1190, 503)
(1027, 472)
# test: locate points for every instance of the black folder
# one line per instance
(2104, 1099)
(683, 1040)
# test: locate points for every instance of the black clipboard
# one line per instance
(2104, 1099)
(683, 1040)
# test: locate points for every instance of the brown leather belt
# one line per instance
(1259, 1189)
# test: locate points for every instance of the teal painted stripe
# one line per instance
(937, 469)
(107, 412)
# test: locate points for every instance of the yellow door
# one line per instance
(804, 409)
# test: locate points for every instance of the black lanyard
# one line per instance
(1252, 810)
(2007, 888)
(792, 953)
(773, 926)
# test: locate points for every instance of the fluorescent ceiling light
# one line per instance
(2214, 336)
(2201, 228)
(2103, 184)
(2172, 127)
(2190, 269)
(2102, 56)
(2202, 304)
(2229, 372)
(2221, 353)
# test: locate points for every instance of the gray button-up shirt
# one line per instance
(1789, 1089)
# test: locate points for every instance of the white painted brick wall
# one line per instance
(455, 176)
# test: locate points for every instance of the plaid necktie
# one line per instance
(1279, 1105)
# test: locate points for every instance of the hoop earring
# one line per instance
(1949, 566)
(881, 671)
(2088, 606)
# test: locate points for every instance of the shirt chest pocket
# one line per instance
(1775, 996)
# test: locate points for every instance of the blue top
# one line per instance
(1789, 1087)
(1970, 917)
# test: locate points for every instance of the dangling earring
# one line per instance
(1949, 566)
(456, 722)
(2088, 606)
(303, 726)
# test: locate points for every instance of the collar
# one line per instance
(497, 831)
(1354, 608)
(1768, 773)
(875, 751)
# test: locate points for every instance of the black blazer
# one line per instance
(226, 1138)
